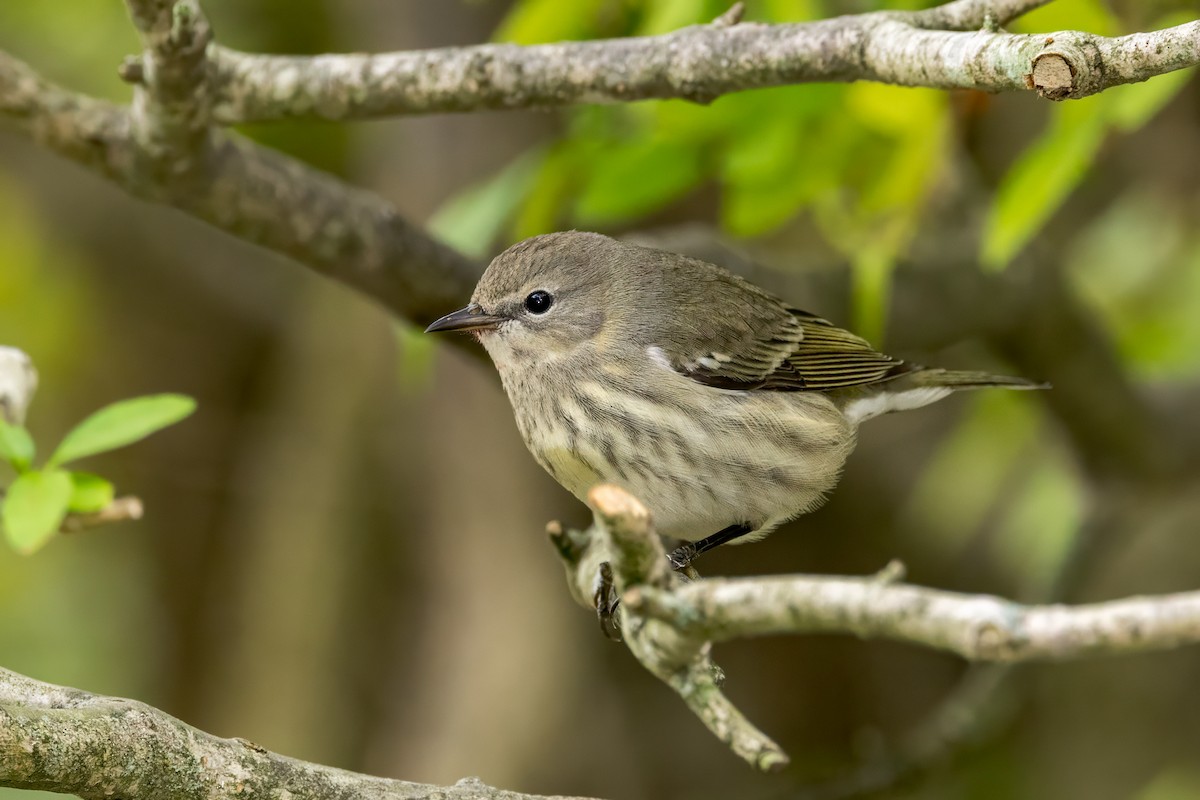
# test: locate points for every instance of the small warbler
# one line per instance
(723, 409)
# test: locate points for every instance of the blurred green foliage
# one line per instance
(1177, 783)
(37, 500)
(1138, 265)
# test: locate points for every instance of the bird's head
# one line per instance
(545, 297)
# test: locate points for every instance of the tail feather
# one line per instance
(961, 379)
(922, 386)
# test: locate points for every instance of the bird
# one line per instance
(721, 407)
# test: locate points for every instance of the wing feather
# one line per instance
(757, 342)
(797, 352)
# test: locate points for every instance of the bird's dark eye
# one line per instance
(539, 302)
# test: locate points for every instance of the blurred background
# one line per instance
(323, 572)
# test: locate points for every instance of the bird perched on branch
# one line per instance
(723, 409)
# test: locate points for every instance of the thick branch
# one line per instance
(256, 194)
(64, 740)
(936, 48)
(976, 627)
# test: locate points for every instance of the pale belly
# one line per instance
(745, 458)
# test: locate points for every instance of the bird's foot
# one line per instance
(607, 603)
(681, 557)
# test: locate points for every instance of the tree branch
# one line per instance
(64, 740)
(976, 627)
(170, 114)
(254, 193)
(622, 536)
(670, 626)
(969, 15)
(957, 46)
(121, 509)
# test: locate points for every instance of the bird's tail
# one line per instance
(921, 386)
(961, 379)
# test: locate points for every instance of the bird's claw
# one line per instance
(607, 603)
(681, 557)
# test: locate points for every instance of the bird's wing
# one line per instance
(782, 349)
(828, 357)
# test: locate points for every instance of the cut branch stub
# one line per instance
(1052, 76)
(638, 555)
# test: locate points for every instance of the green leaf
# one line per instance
(792, 10)
(871, 287)
(766, 167)
(665, 16)
(965, 480)
(34, 508)
(1092, 16)
(1042, 178)
(542, 209)
(1039, 519)
(1131, 107)
(89, 493)
(16, 446)
(536, 21)
(637, 177)
(472, 220)
(122, 423)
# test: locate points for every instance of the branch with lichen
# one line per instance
(670, 626)
(248, 191)
(64, 740)
(956, 46)
(976, 627)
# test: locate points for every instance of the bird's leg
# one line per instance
(681, 557)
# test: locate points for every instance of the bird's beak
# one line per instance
(471, 318)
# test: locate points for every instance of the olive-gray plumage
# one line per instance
(712, 401)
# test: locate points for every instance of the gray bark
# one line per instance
(64, 740)
(958, 46)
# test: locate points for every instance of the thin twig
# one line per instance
(122, 509)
